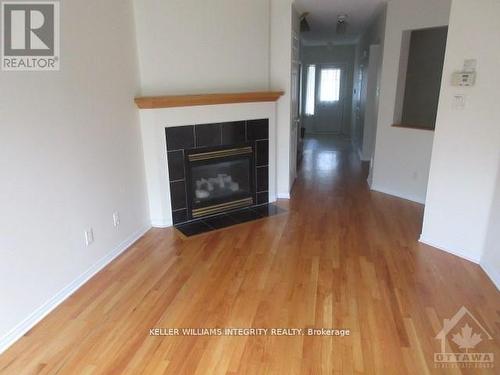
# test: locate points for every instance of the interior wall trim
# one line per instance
(401, 195)
(283, 196)
(36, 316)
(460, 254)
(493, 274)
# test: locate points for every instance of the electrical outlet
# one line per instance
(116, 219)
(459, 102)
(89, 236)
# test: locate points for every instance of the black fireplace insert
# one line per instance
(219, 179)
(217, 167)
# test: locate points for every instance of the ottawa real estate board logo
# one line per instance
(463, 340)
(30, 35)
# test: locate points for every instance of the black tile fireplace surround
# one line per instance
(205, 139)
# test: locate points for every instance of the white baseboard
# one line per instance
(161, 224)
(458, 253)
(283, 195)
(398, 194)
(493, 274)
(362, 157)
(19, 330)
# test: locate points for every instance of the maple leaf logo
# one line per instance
(466, 339)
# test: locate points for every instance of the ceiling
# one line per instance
(323, 19)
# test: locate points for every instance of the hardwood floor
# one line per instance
(341, 256)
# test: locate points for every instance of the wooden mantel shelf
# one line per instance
(170, 101)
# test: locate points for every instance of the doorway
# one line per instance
(325, 100)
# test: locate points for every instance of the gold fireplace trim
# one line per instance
(215, 209)
(220, 154)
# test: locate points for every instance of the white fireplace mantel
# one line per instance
(153, 124)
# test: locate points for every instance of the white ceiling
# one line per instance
(323, 19)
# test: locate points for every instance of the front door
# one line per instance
(330, 99)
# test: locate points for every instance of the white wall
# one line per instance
(280, 79)
(490, 260)
(70, 155)
(466, 154)
(193, 46)
(402, 156)
(374, 34)
(373, 73)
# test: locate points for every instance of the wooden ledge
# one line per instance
(169, 101)
(416, 127)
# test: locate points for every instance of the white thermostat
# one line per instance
(464, 79)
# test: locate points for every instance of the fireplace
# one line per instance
(219, 179)
(217, 168)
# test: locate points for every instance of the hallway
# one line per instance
(341, 257)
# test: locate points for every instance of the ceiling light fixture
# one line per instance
(342, 24)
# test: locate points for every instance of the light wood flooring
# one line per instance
(341, 256)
